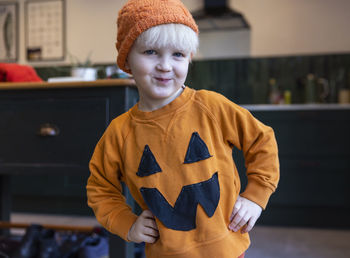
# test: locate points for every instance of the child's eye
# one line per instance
(179, 54)
(150, 52)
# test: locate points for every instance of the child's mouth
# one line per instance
(163, 80)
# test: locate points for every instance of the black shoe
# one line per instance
(48, 247)
(29, 245)
(71, 246)
(95, 247)
(8, 245)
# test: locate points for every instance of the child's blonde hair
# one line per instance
(178, 36)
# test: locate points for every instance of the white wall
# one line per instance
(279, 27)
(283, 27)
(292, 27)
(90, 27)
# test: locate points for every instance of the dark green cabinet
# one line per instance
(47, 135)
(315, 165)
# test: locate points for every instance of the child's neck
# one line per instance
(154, 105)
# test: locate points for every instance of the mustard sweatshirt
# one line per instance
(177, 162)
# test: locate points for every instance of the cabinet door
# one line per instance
(50, 134)
(314, 164)
(46, 165)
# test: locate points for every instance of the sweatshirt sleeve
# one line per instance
(259, 146)
(104, 189)
(258, 143)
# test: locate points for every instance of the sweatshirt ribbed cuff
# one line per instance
(122, 225)
(257, 193)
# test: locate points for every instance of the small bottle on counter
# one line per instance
(287, 97)
(344, 92)
(344, 96)
(310, 89)
(275, 96)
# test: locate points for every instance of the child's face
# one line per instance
(159, 74)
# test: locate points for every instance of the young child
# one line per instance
(173, 149)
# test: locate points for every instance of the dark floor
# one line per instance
(267, 242)
(279, 242)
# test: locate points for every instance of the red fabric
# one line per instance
(241, 256)
(18, 73)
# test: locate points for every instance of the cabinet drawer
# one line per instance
(310, 133)
(79, 122)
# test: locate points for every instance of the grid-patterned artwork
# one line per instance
(45, 30)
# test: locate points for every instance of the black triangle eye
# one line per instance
(148, 164)
(197, 150)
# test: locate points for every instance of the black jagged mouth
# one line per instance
(183, 215)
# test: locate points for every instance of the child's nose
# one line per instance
(164, 64)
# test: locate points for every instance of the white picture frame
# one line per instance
(45, 30)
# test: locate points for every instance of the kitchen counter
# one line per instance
(58, 85)
(294, 107)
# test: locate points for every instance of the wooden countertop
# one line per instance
(294, 107)
(73, 84)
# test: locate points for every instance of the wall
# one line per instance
(280, 27)
(90, 27)
(284, 27)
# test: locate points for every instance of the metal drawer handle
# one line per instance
(48, 130)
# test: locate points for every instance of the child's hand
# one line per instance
(144, 229)
(245, 213)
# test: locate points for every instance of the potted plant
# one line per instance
(83, 70)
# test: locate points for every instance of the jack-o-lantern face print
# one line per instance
(181, 216)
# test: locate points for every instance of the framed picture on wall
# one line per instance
(45, 30)
(8, 31)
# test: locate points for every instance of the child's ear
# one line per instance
(191, 56)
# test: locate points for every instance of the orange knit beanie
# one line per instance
(139, 15)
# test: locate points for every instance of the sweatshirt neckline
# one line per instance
(171, 107)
